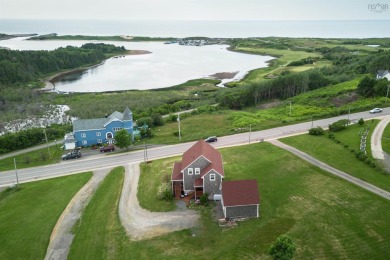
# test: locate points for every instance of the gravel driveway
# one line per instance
(61, 237)
(142, 224)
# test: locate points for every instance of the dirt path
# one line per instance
(330, 169)
(142, 224)
(376, 141)
(62, 237)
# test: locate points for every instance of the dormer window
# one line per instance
(212, 177)
(190, 171)
(197, 171)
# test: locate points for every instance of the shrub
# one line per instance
(346, 146)
(339, 125)
(145, 121)
(173, 117)
(283, 248)
(331, 136)
(164, 191)
(316, 131)
(204, 199)
(361, 121)
(157, 120)
(176, 133)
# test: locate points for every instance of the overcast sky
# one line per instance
(193, 9)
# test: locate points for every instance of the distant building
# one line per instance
(383, 74)
(102, 130)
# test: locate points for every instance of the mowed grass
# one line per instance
(95, 237)
(28, 215)
(386, 139)
(336, 155)
(284, 57)
(328, 218)
(193, 128)
(32, 159)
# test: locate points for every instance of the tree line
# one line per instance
(18, 67)
(347, 66)
(30, 137)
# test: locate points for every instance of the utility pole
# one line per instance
(387, 94)
(178, 120)
(47, 143)
(290, 108)
(16, 173)
(349, 112)
(250, 130)
(145, 153)
(312, 122)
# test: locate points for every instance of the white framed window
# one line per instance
(212, 177)
(190, 171)
(84, 142)
(197, 171)
(99, 141)
(116, 129)
(98, 134)
(83, 135)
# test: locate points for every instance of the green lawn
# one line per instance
(28, 215)
(31, 159)
(327, 217)
(284, 57)
(386, 139)
(342, 158)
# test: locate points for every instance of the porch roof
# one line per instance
(177, 175)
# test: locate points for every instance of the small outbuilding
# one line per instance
(240, 199)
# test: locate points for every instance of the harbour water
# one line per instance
(166, 66)
(173, 64)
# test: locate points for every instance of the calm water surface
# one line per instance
(167, 65)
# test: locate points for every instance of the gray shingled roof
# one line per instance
(88, 124)
(99, 123)
(382, 73)
(127, 114)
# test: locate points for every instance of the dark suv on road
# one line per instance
(211, 139)
(72, 155)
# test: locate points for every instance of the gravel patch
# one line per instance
(142, 224)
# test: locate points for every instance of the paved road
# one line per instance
(328, 168)
(93, 163)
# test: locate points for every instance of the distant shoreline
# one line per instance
(49, 81)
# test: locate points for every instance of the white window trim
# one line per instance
(197, 171)
(84, 141)
(212, 176)
(83, 135)
(98, 134)
(99, 141)
(190, 171)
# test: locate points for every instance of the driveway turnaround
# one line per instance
(142, 224)
(330, 169)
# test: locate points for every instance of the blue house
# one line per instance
(102, 130)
